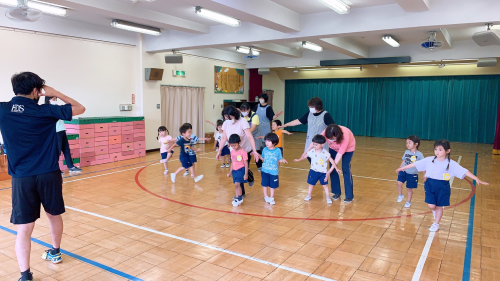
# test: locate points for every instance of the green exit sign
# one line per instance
(180, 73)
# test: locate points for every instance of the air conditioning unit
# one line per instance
(487, 62)
(487, 38)
(173, 59)
(264, 71)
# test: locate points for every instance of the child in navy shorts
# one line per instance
(164, 139)
(225, 153)
(272, 157)
(319, 160)
(238, 167)
(410, 176)
(194, 140)
(439, 170)
(186, 148)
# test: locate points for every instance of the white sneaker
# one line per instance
(267, 199)
(407, 204)
(237, 202)
(400, 198)
(172, 177)
(307, 198)
(434, 214)
(271, 201)
(434, 227)
(329, 201)
(186, 173)
(198, 178)
(227, 165)
(217, 149)
(166, 172)
(223, 165)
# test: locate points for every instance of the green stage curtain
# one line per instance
(457, 108)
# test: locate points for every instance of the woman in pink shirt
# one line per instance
(341, 144)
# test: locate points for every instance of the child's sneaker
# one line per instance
(348, 200)
(29, 278)
(434, 227)
(166, 172)
(186, 173)
(307, 198)
(75, 170)
(172, 176)
(237, 202)
(336, 196)
(198, 178)
(407, 204)
(329, 201)
(400, 198)
(267, 199)
(54, 258)
(227, 165)
(271, 201)
(223, 165)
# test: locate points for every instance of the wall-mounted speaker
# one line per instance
(153, 74)
(173, 58)
(487, 62)
(264, 71)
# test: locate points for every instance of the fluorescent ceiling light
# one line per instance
(460, 60)
(314, 69)
(391, 41)
(336, 5)
(416, 65)
(246, 50)
(312, 46)
(461, 63)
(43, 7)
(211, 15)
(135, 27)
(301, 66)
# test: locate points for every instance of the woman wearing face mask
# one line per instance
(237, 125)
(316, 119)
(62, 140)
(266, 115)
(255, 127)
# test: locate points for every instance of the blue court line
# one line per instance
(470, 231)
(75, 256)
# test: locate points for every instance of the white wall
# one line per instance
(98, 75)
(199, 72)
(273, 82)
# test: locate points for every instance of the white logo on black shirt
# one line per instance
(19, 108)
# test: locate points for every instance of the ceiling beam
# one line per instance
(280, 50)
(345, 46)
(414, 5)
(444, 37)
(128, 12)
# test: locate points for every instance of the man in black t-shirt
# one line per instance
(29, 131)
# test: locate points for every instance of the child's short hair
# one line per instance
(189, 125)
(234, 138)
(219, 123)
(319, 139)
(278, 122)
(272, 137)
(183, 129)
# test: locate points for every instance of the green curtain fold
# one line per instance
(457, 108)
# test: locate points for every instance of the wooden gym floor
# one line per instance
(127, 220)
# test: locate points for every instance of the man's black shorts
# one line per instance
(29, 192)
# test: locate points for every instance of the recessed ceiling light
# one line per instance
(336, 5)
(211, 15)
(312, 46)
(391, 41)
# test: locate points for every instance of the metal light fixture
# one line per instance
(43, 7)
(391, 41)
(211, 15)
(336, 5)
(135, 27)
(312, 46)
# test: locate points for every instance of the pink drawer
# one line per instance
(142, 134)
(114, 146)
(75, 153)
(86, 143)
(101, 157)
(78, 127)
(87, 154)
(101, 150)
(101, 143)
(113, 131)
(88, 149)
(74, 146)
(139, 131)
(87, 133)
(84, 162)
(126, 153)
(136, 127)
(140, 152)
(128, 138)
(115, 156)
(139, 138)
(74, 142)
(127, 146)
(101, 135)
(102, 127)
(99, 139)
(99, 162)
(128, 129)
(139, 122)
(115, 150)
(140, 145)
(127, 157)
(115, 124)
(127, 124)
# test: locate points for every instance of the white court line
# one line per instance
(427, 247)
(206, 245)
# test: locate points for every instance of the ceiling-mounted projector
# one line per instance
(489, 37)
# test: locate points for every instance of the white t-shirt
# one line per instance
(218, 137)
(238, 128)
(437, 170)
(319, 161)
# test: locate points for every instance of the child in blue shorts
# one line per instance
(186, 148)
(319, 160)
(238, 167)
(410, 176)
(194, 140)
(439, 170)
(272, 157)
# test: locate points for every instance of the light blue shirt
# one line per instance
(271, 158)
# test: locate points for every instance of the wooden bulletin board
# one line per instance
(229, 80)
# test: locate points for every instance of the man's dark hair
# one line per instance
(183, 129)
(234, 138)
(23, 83)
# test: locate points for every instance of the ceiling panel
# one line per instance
(305, 7)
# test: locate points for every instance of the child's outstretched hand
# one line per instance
(482, 182)
(399, 170)
(282, 160)
(229, 174)
(327, 176)
(198, 150)
(298, 160)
